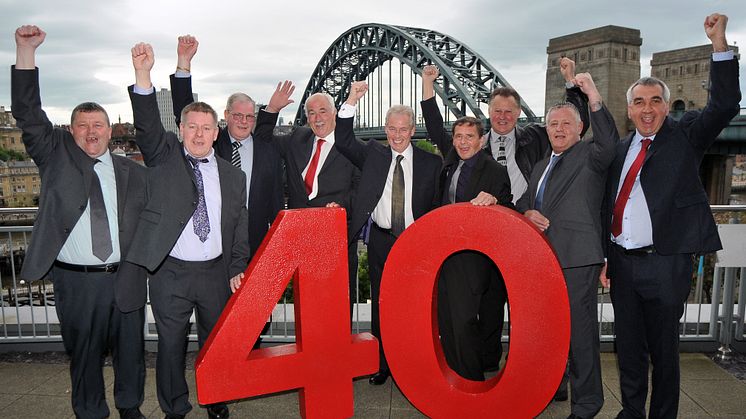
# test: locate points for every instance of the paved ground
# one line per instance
(38, 386)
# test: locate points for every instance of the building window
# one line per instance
(616, 53)
(696, 68)
(590, 54)
(667, 72)
(625, 55)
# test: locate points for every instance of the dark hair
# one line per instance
(199, 107)
(88, 107)
(469, 121)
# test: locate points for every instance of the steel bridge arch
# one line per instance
(467, 79)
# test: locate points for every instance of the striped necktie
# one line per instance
(235, 156)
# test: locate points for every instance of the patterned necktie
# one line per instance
(200, 219)
(100, 234)
(540, 194)
(501, 157)
(311, 173)
(629, 181)
(235, 156)
(397, 199)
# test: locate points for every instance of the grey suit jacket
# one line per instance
(66, 172)
(574, 194)
(172, 195)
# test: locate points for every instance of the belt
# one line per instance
(382, 230)
(194, 263)
(108, 267)
(640, 251)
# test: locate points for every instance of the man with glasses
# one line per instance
(398, 185)
(259, 161)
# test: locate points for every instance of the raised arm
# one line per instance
(150, 137)
(574, 94)
(605, 134)
(344, 136)
(181, 80)
(267, 117)
(430, 112)
(28, 38)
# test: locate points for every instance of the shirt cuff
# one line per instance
(723, 56)
(179, 74)
(140, 91)
(347, 111)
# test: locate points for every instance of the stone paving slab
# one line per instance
(37, 390)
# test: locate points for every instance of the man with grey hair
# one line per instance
(399, 184)
(258, 160)
(659, 217)
(563, 200)
(315, 172)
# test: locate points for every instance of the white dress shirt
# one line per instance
(518, 183)
(382, 212)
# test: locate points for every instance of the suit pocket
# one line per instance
(699, 197)
(150, 215)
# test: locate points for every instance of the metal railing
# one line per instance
(715, 311)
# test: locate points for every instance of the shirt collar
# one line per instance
(210, 156)
(233, 140)
(329, 139)
(508, 137)
(639, 137)
(407, 153)
(105, 159)
(472, 161)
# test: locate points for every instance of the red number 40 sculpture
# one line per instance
(309, 246)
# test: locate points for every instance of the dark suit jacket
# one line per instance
(680, 214)
(374, 161)
(66, 173)
(338, 177)
(574, 193)
(172, 195)
(486, 176)
(532, 142)
(265, 192)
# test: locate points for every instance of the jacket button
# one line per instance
(66, 231)
(82, 207)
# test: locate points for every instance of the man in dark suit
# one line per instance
(518, 149)
(563, 200)
(316, 173)
(468, 175)
(192, 234)
(659, 217)
(87, 194)
(257, 159)
(398, 184)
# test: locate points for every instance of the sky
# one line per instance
(250, 46)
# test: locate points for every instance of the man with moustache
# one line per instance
(398, 184)
(316, 173)
(192, 234)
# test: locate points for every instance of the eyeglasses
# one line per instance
(240, 117)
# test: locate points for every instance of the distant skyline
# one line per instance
(249, 47)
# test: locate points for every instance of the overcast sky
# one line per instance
(249, 46)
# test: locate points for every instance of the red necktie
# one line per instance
(311, 173)
(629, 180)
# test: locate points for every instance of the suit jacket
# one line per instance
(337, 178)
(172, 195)
(374, 161)
(265, 191)
(574, 193)
(532, 142)
(66, 172)
(486, 176)
(680, 213)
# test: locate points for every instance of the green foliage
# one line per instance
(427, 146)
(363, 277)
(6, 155)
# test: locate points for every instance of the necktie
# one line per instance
(311, 173)
(454, 183)
(100, 235)
(397, 199)
(501, 151)
(629, 181)
(463, 182)
(235, 156)
(540, 194)
(200, 219)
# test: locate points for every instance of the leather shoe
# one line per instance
(574, 416)
(218, 411)
(379, 378)
(174, 416)
(131, 413)
(561, 394)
